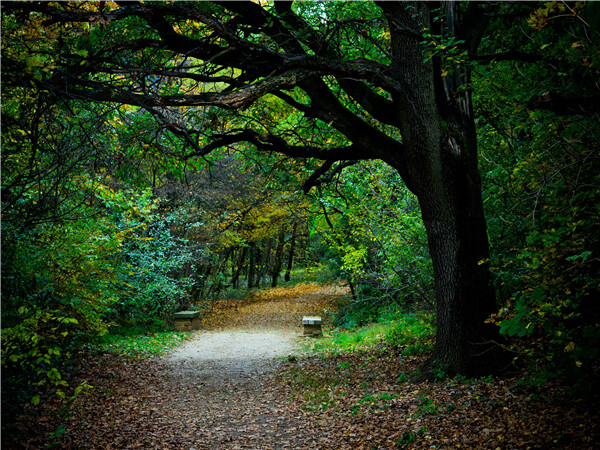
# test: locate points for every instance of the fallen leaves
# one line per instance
(372, 405)
(277, 308)
(346, 401)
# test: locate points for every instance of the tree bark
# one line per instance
(276, 268)
(452, 212)
(265, 262)
(251, 265)
(235, 279)
(288, 271)
(439, 165)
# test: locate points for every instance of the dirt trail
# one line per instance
(225, 394)
(216, 391)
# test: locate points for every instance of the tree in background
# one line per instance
(339, 82)
(325, 83)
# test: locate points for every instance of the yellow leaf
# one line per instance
(570, 347)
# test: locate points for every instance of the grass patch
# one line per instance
(412, 334)
(140, 342)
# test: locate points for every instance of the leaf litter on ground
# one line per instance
(361, 400)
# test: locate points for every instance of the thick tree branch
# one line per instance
(180, 74)
(314, 177)
(377, 106)
(239, 98)
(276, 144)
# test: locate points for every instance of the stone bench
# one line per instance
(312, 326)
(187, 320)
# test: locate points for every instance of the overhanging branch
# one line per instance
(276, 144)
(317, 179)
(239, 98)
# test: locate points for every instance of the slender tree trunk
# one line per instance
(258, 257)
(235, 279)
(288, 271)
(251, 265)
(276, 267)
(265, 262)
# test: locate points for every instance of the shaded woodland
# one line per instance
(438, 158)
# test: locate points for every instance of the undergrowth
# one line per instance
(408, 333)
(140, 342)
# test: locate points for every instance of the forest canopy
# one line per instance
(438, 156)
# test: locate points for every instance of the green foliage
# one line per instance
(151, 262)
(35, 354)
(409, 437)
(542, 189)
(69, 231)
(377, 242)
(140, 342)
(427, 406)
(408, 333)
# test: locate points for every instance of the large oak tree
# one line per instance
(359, 81)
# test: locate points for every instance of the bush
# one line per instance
(34, 355)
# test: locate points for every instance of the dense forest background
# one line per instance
(113, 216)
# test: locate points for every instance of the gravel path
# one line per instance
(235, 345)
(224, 391)
(222, 382)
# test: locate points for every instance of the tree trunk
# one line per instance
(252, 265)
(276, 268)
(235, 278)
(288, 271)
(439, 164)
(449, 193)
(452, 212)
(265, 262)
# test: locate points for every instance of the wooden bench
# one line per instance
(312, 326)
(187, 320)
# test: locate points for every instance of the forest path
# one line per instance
(222, 391)
(222, 378)
(216, 391)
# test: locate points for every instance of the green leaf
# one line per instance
(582, 256)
